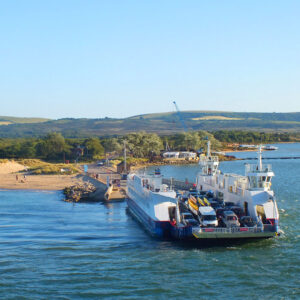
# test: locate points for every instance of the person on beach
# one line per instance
(17, 178)
(24, 177)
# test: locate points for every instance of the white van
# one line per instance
(207, 216)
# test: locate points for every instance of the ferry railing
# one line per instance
(237, 176)
(208, 159)
(211, 230)
(253, 168)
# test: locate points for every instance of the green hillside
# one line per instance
(161, 123)
(15, 120)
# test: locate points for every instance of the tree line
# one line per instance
(54, 147)
(252, 137)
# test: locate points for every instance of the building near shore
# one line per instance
(171, 155)
(180, 155)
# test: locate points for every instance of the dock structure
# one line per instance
(114, 193)
(268, 158)
(102, 178)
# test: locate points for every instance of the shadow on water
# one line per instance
(224, 244)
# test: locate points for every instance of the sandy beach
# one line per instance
(38, 182)
(10, 167)
(11, 178)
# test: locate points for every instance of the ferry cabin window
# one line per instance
(268, 179)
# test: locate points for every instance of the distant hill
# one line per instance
(15, 120)
(161, 123)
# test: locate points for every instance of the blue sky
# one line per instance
(123, 58)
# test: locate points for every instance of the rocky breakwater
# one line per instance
(80, 193)
(90, 190)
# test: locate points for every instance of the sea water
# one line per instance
(50, 249)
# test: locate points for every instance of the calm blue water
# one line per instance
(50, 249)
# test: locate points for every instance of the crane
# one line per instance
(180, 116)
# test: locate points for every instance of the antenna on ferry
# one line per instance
(208, 148)
(125, 165)
(259, 157)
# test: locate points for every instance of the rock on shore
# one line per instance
(80, 193)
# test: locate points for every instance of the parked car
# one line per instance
(214, 204)
(230, 219)
(207, 216)
(229, 204)
(193, 191)
(247, 221)
(219, 211)
(209, 194)
(188, 219)
(238, 211)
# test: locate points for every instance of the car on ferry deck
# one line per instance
(207, 216)
(188, 219)
(247, 221)
(238, 211)
(230, 219)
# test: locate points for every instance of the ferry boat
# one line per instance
(158, 208)
(222, 207)
(269, 148)
(252, 193)
(149, 200)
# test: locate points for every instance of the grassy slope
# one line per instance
(162, 123)
(4, 120)
(38, 167)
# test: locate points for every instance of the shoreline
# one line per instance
(31, 190)
(12, 174)
(177, 162)
(40, 182)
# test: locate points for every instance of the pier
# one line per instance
(98, 176)
(282, 157)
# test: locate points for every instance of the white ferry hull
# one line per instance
(150, 208)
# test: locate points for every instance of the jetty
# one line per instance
(103, 184)
(263, 158)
